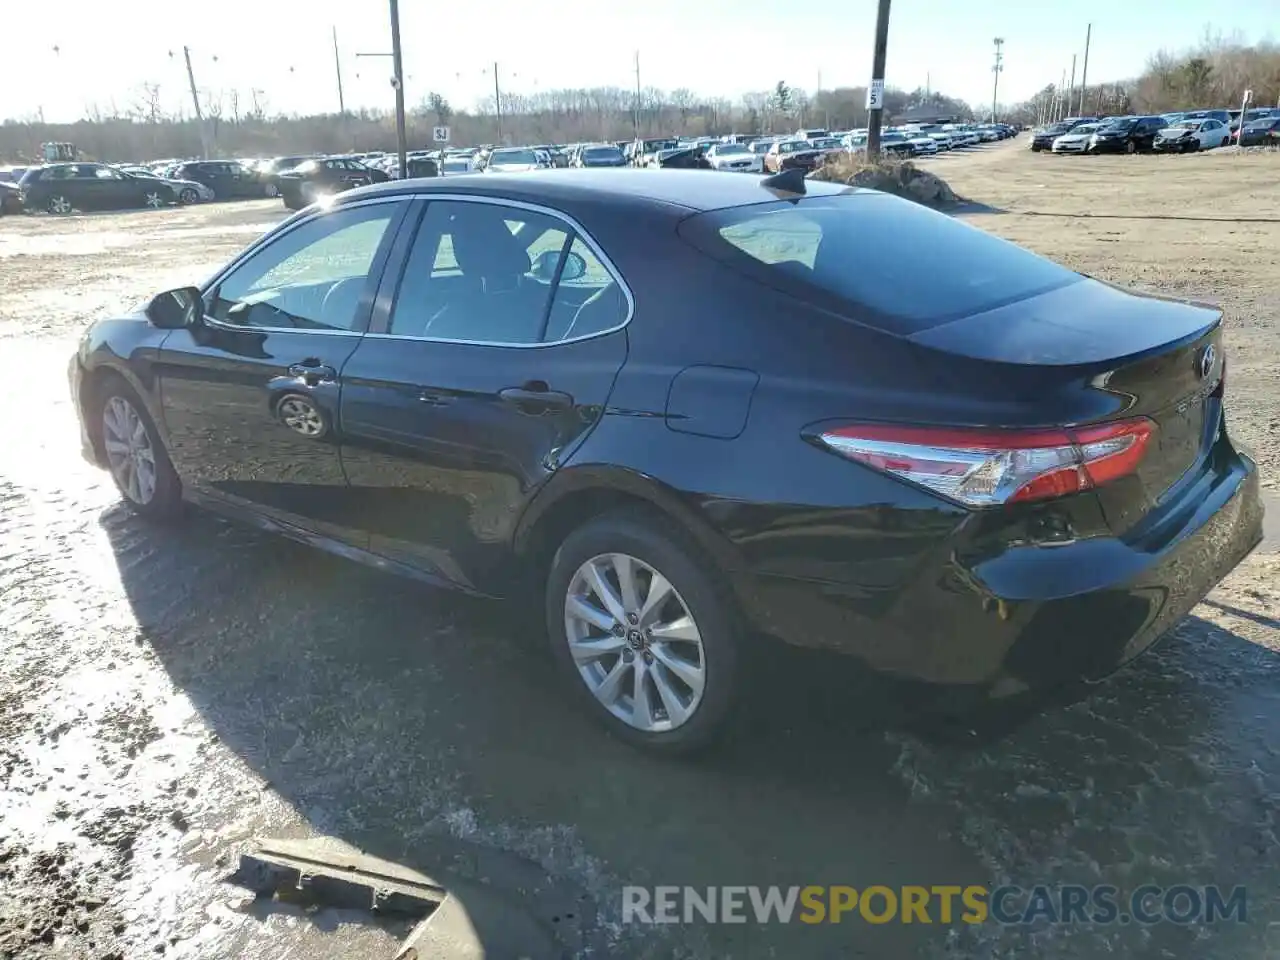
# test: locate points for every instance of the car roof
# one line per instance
(693, 190)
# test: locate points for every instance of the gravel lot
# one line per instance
(166, 695)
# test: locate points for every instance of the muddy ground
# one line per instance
(167, 694)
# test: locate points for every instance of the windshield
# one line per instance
(1120, 125)
(513, 156)
(602, 153)
(910, 267)
(1186, 125)
(727, 149)
(456, 166)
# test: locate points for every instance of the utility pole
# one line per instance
(337, 66)
(636, 114)
(999, 66)
(195, 99)
(1061, 92)
(875, 92)
(1071, 90)
(397, 80)
(1084, 73)
(497, 99)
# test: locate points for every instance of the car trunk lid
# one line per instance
(1106, 354)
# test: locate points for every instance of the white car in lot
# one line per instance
(734, 157)
(1078, 140)
(1185, 136)
(925, 146)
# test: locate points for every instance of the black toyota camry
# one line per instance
(684, 410)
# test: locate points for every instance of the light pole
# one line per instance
(397, 82)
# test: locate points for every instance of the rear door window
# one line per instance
(887, 262)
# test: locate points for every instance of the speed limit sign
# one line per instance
(440, 134)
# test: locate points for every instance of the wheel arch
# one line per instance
(577, 494)
(90, 395)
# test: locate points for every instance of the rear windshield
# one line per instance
(889, 262)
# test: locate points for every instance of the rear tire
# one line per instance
(696, 602)
(188, 196)
(272, 190)
(120, 413)
(58, 205)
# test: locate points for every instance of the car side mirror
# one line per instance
(175, 309)
(544, 266)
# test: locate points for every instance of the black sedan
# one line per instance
(1127, 135)
(63, 187)
(1261, 133)
(678, 411)
(322, 177)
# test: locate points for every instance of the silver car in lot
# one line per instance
(187, 191)
(1078, 140)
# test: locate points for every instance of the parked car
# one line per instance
(188, 191)
(512, 160)
(63, 187)
(735, 157)
(1043, 138)
(1077, 140)
(10, 198)
(603, 474)
(228, 179)
(312, 180)
(268, 172)
(923, 145)
(599, 155)
(786, 154)
(1126, 135)
(1222, 116)
(11, 174)
(1260, 133)
(1190, 134)
(452, 166)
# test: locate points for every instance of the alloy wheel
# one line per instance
(634, 642)
(130, 453)
(273, 190)
(189, 196)
(59, 204)
(301, 416)
(153, 200)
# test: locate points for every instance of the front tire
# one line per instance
(272, 190)
(58, 205)
(643, 634)
(188, 196)
(134, 453)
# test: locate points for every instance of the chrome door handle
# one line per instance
(313, 373)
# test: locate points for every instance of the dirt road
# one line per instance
(167, 694)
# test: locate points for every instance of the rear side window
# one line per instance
(888, 262)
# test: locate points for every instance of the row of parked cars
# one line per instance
(299, 179)
(1183, 132)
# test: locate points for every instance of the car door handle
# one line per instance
(432, 399)
(536, 396)
(313, 372)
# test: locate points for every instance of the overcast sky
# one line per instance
(93, 51)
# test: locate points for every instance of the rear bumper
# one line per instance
(1029, 616)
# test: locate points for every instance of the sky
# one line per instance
(96, 53)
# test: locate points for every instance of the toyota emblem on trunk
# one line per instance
(1206, 361)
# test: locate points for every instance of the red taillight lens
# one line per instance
(982, 468)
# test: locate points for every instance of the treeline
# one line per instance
(1213, 74)
(143, 131)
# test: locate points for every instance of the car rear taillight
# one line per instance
(982, 468)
